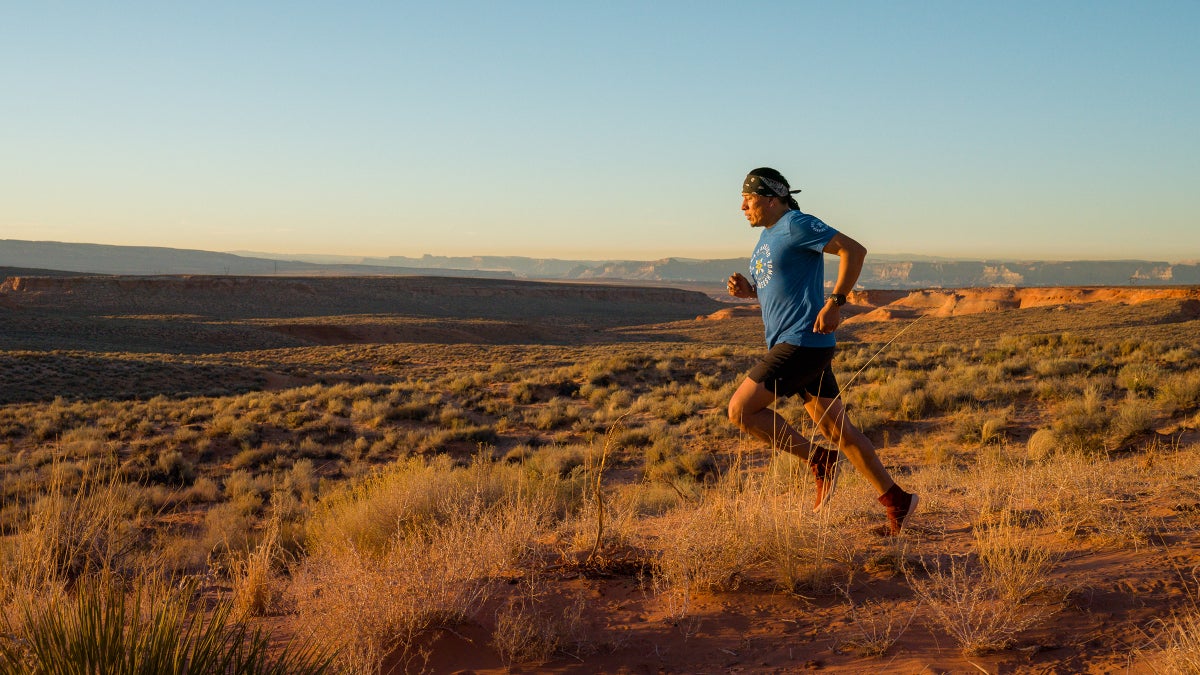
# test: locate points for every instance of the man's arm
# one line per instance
(851, 255)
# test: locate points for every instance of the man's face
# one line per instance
(755, 208)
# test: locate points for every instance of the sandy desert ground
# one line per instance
(483, 476)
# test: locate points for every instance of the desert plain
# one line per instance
(449, 475)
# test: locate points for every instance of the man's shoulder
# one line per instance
(805, 223)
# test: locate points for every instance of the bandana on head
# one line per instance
(757, 184)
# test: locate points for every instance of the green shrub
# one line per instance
(105, 632)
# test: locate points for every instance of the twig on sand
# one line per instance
(981, 668)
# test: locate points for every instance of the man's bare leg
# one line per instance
(748, 409)
(831, 419)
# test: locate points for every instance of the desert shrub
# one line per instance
(1080, 424)
(901, 398)
(226, 529)
(1058, 367)
(966, 602)
(946, 390)
(665, 445)
(252, 575)
(234, 426)
(1076, 494)
(85, 441)
(1012, 367)
(522, 392)
(646, 499)
(702, 547)
(1179, 391)
(302, 481)
(244, 492)
(1133, 416)
(412, 410)
(868, 419)
(1140, 377)
(497, 407)
(557, 460)
(467, 383)
(204, 490)
(71, 532)
(518, 454)
(1042, 444)
(698, 464)
(679, 410)
(879, 625)
(415, 492)
(174, 468)
(982, 427)
(529, 631)
(375, 600)
(632, 437)
(619, 400)
(370, 413)
(186, 435)
(253, 458)
(1013, 560)
(452, 416)
(314, 449)
(553, 415)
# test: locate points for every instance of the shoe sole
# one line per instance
(837, 472)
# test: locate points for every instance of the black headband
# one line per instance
(767, 187)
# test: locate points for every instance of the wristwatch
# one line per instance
(839, 299)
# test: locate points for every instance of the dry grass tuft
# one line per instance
(1179, 644)
(701, 548)
(530, 631)
(968, 604)
(411, 550)
(253, 576)
(879, 625)
(1014, 561)
(85, 526)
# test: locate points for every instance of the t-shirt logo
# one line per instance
(760, 266)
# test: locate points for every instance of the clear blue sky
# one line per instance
(1044, 130)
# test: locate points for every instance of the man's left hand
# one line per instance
(828, 319)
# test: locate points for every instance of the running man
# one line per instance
(788, 272)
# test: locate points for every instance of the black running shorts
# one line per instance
(788, 370)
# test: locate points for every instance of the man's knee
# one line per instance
(740, 412)
(737, 413)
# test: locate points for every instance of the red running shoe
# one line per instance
(900, 505)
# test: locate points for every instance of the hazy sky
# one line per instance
(1044, 129)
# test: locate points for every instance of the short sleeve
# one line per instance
(809, 231)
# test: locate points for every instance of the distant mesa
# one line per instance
(909, 272)
(866, 306)
(731, 313)
(886, 306)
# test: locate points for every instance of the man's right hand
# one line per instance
(739, 287)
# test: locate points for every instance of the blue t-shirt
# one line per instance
(788, 268)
